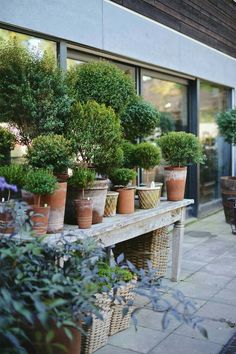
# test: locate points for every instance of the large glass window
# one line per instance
(169, 95)
(213, 99)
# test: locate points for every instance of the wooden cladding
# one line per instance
(212, 22)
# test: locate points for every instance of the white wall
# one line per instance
(107, 26)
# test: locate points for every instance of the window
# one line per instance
(213, 99)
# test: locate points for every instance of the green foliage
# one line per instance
(14, 174)
(52, 152)
(82, 177)
(129, 153)
(181, 148)
(139, 119)
(40, 182)
(227, 125)
(112, 274)
(121, 176)
(33, 92)
(7, 143)
(147, 155)
(167, 123)
(102, 82)
(95, 133)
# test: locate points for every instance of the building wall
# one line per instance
(107, 26)
(209, 21)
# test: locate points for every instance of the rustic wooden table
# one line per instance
(124, 227)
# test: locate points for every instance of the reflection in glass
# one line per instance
(213, 99)
(71, 63)
(37, 45)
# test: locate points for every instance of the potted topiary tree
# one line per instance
(52, 152)
(179, 149)
(40, 182)
(7, 143)
(227, 126)
(120, 178)
(147, 156)
(80, 196)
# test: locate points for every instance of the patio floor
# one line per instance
(208, 278)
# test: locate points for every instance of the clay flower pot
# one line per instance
(125, 203)
(6, 223)
(111, 203)
(149, 197)
(84, 213)
(39, 219)
(175, 178)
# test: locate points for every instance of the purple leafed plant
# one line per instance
(4, 185)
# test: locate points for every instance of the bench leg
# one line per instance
(177, 241)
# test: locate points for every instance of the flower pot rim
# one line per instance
(112, 193)
(149, 188)
(175, 167)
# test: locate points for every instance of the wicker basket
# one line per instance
(97, 334)
(153, 246)
(119, 322)
(149, 197)
(111, 203)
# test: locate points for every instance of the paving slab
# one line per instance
(175, 344)
(218, 311)
(225, 296)
(110, 349)
(214, 280)
(232, 284)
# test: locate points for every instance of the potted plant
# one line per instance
(120, 178)
(148, 156)
(52, 152)
(78, 195)
(227, 126)
(40, 182)
(15, 175)
(7, 143)
(179, 149)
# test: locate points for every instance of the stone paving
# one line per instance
(208, 278)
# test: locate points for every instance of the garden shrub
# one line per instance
(227, 125)
(7, 143)
(147, 155)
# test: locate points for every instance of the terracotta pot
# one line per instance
(125, 203)
(111, 203)
(27, 197)
(149, 197)
(228, 190)
(84, 213)
(98, 195)
(57, 202)
(6, 223)
(175, 178)
(39, 219)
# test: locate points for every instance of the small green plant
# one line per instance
(14, 175)
(129, 154)
(227, 125)
(7, 143)
(139, 119)
(40, 182)
(147, 155)
(112, 274)
(181, 149)
(52, 152)
(82, 178)
(122, 176)
(96, 136)
(102, 82)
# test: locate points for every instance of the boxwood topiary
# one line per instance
(139, 119)
(181, 148)
(82, 177)
(52, 152)
(14, 174)
(147, 155)
(227, 125)
(167, 123)
(40, 182)
(7, 143)
(102, 82)
(122, 176)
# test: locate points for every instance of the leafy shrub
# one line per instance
(147, 155)
(102, 82)
(33, 92)
(40, 182)
(95, 133)
(139, 119)
(227, 125)
(82, 177)
(129, 154)
(122, 176)
(7, 143)
(52, 152)
(167, 123)
(181, 148)
(14, 174)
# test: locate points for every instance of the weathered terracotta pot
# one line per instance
(125, 203)
(175, 178)
(39, 219)
(56, 201)
(228, 190)
(149, 197)
(111, 203)
(84, 213)
(6, 223)
(98, 195)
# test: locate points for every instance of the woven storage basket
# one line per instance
(97, 333)
(153, 246)
(118, 321)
